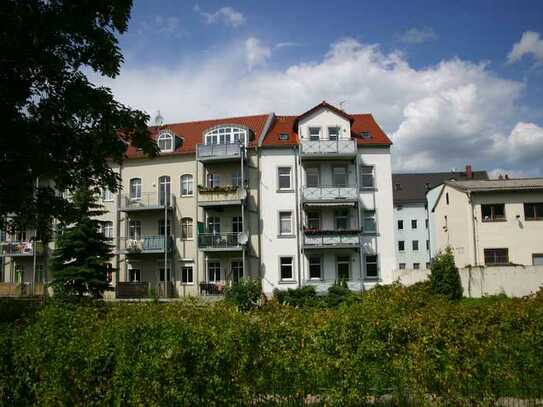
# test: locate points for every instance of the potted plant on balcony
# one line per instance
(218, 189)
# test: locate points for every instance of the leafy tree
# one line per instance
(444, 276)
(78, 264)
(58, 129)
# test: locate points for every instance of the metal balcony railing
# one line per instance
(146, 244)
(21, 248)
(218, 151)
(220, 194)
(218, 240)
(325, 192)
(328, 147)
(147, 200)
(332, 238)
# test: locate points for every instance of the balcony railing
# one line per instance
(331, 238)
(219, 240)
(147, 200)
(326, 193)
(320, 148)
(217, 195)
(218, 151)
(21, 248)
(146, 244)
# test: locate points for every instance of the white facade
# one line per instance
(412, 236)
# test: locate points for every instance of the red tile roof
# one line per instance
(325, 105)
(192, 133)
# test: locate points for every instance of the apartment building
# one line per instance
(414, 230)
(491, 222)
(290, 200)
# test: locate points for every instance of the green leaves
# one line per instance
(444, 276)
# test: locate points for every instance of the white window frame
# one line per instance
(213, 180)
(236, 178)
(370, 215)
(239, 263)
(215, 223)
(313, 171)
(290, 223)
(187, 228)
(187, 185)
(214, 280)
(376, 265)
(107, 195)
(312, 137)
(135, 189)
(133, 270)
(134, 229)
(279, 176)
(310, 263)
(107, 229)
(237, 223)
(340, 170)
(344, 261)
(367, 171)
(347, 216)
(291, 279)
(336, 128)
(227, 135)
(187, 281)
(166, 137)
(319, 217)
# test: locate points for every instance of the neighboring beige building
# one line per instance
(491, 222)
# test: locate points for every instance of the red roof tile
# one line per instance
(366, 122)
(281, 125)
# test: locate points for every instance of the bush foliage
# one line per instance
(391, 340)
(444, 276)
(246, 294)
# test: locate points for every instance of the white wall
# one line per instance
(324, 118)
(408, 256)
(513, 281)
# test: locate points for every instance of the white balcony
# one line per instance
(328, 149)
(330, 194)
(147, 201)
(219, 152)
(221, 196)
(331, 239)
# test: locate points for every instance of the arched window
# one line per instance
(186, 228)
(165, 142)
(108, 229)
(186, 185)
(135, 188)
(227, 135)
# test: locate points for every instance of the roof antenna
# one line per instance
(341, 105)
(159, 120)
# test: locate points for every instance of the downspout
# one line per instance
(475, 254)
(118, 234)
(298, 216)
(359, 204)
(244, 227)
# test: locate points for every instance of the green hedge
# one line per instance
(391, 341)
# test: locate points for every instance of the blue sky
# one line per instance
(450, 82)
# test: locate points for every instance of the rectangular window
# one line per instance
(447, 198)
(213, 180)
(314, 220)
(312, 177)
(163, 276)
(342, 219)
(333, 133)
(315, 267)
(134, 275)
(370, 225)
(343, 267)
(339, 176)
(416, 266)
(372, 270)
(314, 133)
(285, 178)
(236, 178)
(186, 185)
(107, 195)
(415, 245)
(186, 275)
(402, 266)
(494, 257)
(186, 228)
(401, 245)
(286, 268)
(135, 188)
(537, 259)
(493, 212)
(400, 225)
(427, 245)
(285, 223)
(108, 230)
(426, 223)
(214, 225)
(214, 271)
(237, 224)
(237, 270)
(134, 229)
(2, 235)
(413, 224)
(366, 176)
(533, 211)
(162, 227)
(427, 266)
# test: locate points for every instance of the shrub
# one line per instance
(337, 294)
(246, 294)
(297, 297)
(444, 276)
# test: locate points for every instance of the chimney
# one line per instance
(469, 172)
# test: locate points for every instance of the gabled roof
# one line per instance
(281, 125)
(413, 187)
(322, 105)
(192, 133)
(497, 185)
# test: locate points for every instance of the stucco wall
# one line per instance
(408, 256)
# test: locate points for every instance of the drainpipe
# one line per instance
(360, 254)
(298, 215)
(244, 228)
(475, 254)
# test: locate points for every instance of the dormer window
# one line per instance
(365, 134)
(314, 133)
(283, 136)
(165, 142)
(227, 135)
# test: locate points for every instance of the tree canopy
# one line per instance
(59, 129)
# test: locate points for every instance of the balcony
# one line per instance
(219, 241)
(147, 201)
(221, 196)
(21, 249)
(219, 152)
(330, 194)
(328, 149)
(331, 239)
(145, 245)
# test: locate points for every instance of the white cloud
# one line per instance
(287, 45)
(530, 44)
(257, 54)
(418, 35)
(225, 15)
(439, 117)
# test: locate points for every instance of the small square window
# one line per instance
(365, 134)
(333, 133)
(283, 136)
(314, 133)
(416, 266)
(402, 266)
(428, 266)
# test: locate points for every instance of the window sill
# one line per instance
(493, 220)
(374, 233)
(367, 189)
(372, 279)
(284, 191)
(533, 219)
(287, 281)
(187, 196)
(187, 284)
(189, 239)
(286, 236)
